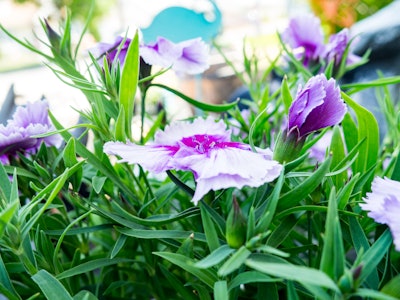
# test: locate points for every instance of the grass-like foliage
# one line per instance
(76, 224)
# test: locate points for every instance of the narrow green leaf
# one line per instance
(298, 193)
(161, 234)
(85, 295)
(319, 293)
(300, 274)
(250, 277)
(372, 294)
(350, 132)
(206, 276)
(118, 245)
(53, 189)
(234, 262)
(50, 286)
(201, 105)
(128, 82)
(267, 212)
(5, 184)
(5, 281)
(65, 45)
(120, 133)
(221, 290)
(282, 231)
(155, 220)
(361, 244)
(392, 288)
(374, 254)
(80, 230)
(286, 96)
(291, 291)
(43, 173)
(332, 259)
(358, 86)
(209, 228)
(186, 248)
(98, 182)
(337, 151)
(98, 164)
(91, 266)
(6, 215)
(7, 294)
(345, 193)
(329, 69)
(215, 257)
(178, 285)
(396, 170)
(367, 128)
(69, 157)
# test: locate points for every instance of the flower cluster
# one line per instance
(19, 133)
(383, 204)
(188, 56)
(305, 36)
(205, 148)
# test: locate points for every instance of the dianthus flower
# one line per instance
(316, 106)
(203, 147)
(336, 47)
(383, 204)
(188, 56)
(111, 50)
(27, 122)
(305, 36)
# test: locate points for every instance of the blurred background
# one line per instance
(256, 20)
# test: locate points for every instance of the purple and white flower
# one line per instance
(188, 56)
(316, 106)
(28, 121)
(205, 148)
(305, 36)
(115, 51)
(383, 204)
(336, 47)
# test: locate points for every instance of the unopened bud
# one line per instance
(288, 146)
(235, 227)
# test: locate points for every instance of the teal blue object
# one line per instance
(178, 23)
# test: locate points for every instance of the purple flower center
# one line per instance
(203, 143)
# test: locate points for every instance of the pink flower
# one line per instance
(383, 204)
(203, 147)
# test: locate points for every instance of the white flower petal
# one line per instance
(152, 158)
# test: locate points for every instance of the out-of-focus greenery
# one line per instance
(337, 14)
(80, 9)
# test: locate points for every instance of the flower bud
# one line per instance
(60, 46)
(288, 146)
(346, 282)
(235, 227)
